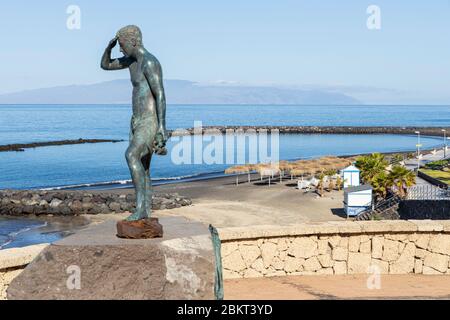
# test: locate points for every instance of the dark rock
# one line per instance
(86, 199)
(87, 206)
(48, 197)
(124, 206)
(141, 229)
(114, 206)
(27, 209)
(104, 208)
(65, 210)
(170, 205)
(78, 202)
(97, 199)
(77, 206)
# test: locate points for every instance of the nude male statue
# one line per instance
(148, 124)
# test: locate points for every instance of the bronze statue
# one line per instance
(148, 124)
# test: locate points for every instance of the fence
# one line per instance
(432, 180)
(427, 192)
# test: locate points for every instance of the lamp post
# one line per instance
(418, 150)
(445, 143)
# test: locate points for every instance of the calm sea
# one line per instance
(103, 165)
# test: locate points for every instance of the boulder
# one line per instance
(94, 264)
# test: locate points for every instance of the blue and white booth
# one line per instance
(357, 199)
(350, 175)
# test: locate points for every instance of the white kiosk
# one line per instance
(350, 176)
(357, 199)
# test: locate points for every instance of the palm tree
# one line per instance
(371, 166)
(381, 184)
(400, 179)
(320, 184)
(339, 182)
(396, 159)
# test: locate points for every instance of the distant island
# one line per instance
(180, 92)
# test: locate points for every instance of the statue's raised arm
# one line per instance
(113, 64)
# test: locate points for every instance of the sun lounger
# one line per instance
(302, 184)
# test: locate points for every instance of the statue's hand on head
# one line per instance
(112, 43)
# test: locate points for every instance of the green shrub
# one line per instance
(437, 165)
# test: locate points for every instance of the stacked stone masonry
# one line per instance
(388, 247)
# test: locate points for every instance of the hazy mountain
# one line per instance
(178, 92)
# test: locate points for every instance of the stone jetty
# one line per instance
(40, 202)
(427, 131)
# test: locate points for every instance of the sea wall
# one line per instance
(428, 131)
(38, 202)
(329, 248)
(347, 247)
(13, 261)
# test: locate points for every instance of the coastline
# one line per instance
(127, 184)
(20, 147)
(215, 198)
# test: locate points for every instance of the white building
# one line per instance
(351, 176)
(357, 199)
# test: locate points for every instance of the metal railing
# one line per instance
(380, 206)
(427, 192)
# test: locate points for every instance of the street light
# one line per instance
(445, 142)
(418, 145)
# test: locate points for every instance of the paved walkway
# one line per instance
(412, 165)
(439, 155)
(409, 286)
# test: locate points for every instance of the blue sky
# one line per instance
(296, 43)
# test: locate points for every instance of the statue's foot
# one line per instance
(137, 216)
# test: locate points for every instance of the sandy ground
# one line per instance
(338, 287)
(223, 204)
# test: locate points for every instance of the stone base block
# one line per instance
(95, 264)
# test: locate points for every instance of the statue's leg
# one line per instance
(134, 154)
(146, 160)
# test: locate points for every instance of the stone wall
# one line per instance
(13, 261)
(347, 247)
(38, 202)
